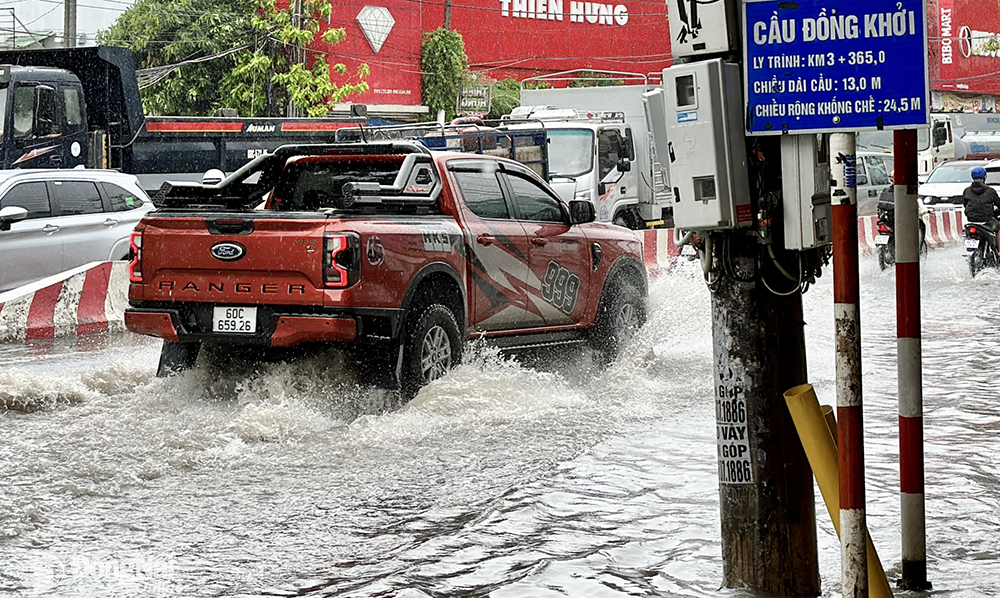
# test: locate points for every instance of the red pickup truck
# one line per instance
(381, 247)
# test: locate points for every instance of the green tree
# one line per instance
(592, 79)
(443, 63)
(506, 97)
(257, 80)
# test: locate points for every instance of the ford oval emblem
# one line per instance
(228, 252)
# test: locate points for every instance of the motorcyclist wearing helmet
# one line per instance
(982, 204)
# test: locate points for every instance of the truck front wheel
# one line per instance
(176, 357)
(432, 346)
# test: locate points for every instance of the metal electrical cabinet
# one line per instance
(706, 147)
(805, 190)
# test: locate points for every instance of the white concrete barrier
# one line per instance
(86, 300)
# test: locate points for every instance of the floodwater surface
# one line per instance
(503, 479)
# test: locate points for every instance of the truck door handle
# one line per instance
(111, 222)
(50, 228)
(539, 241)
(485, 239)
(56, 159)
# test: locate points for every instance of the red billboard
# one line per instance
(503, 38)
(964, 45)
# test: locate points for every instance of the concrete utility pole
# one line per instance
(727, 186)
(69, 24)
(768, 524)
(768, 520)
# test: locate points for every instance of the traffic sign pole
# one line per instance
(908, 351)
(850, 431)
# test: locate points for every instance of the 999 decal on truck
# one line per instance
(384, 248)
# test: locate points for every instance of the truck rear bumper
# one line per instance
(277, 329)
(151, 323)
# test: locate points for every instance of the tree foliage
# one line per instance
(443, 63)
(505, 97)
(258, 80)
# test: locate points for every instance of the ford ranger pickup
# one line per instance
(386, 248)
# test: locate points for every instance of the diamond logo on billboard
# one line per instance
(375, 23)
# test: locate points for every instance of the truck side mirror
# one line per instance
(10, 215)
(624, 165)
(581, 212)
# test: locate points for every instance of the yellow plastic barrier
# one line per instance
(814, 428)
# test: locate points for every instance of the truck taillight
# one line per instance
(341, 259)
(135, 256)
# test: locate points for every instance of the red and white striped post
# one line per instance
(908, 359)
(846, 298)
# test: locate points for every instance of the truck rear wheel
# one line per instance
(620, 314)
(176, 357)
(432, 346)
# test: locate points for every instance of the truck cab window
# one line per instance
(78, 197)
(571, 152)
(609, 144)
(30, 196)
(24, 112)
(74, 112)
(876, 171)
(46, 122)
(862, 176)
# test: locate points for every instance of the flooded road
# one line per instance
(502, 479)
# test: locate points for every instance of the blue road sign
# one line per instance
(822, 66)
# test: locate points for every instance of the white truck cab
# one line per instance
(591, 156)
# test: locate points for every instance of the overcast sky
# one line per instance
(42, 16)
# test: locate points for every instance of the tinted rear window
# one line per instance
(30, 196)
(121, 200)
(77, 197)
(482, 194)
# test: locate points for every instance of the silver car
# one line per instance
(55, 220)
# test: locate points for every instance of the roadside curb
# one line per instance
(943, 227)
(87, 300)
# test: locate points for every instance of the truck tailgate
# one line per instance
(241, 258)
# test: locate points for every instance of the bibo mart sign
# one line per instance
(813, 66)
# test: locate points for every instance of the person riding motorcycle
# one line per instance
(887, 206)
(982, 204)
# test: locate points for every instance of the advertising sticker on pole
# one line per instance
(825, 67)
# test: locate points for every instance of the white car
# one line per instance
(947, 182)
(57, 219)
(872, 179)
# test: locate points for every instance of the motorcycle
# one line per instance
(885, 240)
(980, 248)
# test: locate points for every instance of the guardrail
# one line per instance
(943, 227)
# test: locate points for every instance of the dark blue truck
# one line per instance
(81, 106)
